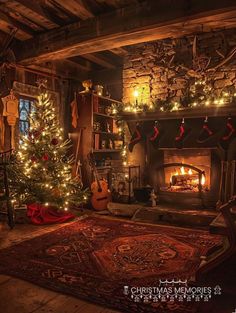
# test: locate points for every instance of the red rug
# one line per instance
(94, 259)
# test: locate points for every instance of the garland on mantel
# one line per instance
(200, 95)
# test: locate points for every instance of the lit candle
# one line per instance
(136, 97)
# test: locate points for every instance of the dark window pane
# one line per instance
(24, 111)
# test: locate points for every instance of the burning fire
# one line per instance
(183, 171)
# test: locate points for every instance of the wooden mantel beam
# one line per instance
(146, 21)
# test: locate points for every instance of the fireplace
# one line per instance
(185, 177)
(187, 170)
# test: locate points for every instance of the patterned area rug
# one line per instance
(94, 258)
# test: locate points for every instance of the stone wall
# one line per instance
(159, 70)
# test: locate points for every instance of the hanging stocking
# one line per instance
(155, 136)
(183, 133)
(136, 137)
(229, 134)
(205, 133)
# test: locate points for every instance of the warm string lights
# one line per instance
(121, 131)
(201, 94)
(43, 170)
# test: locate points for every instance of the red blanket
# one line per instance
(40, 214)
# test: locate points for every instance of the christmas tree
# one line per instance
(43, 171)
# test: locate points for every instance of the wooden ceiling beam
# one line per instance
(100, 60)
(36, 12)
(11, 21)
(76, 7)
(131, 25)
(85, 65)
(61, 69)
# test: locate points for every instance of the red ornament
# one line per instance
(45, 157)
(54, 141)
(33, 159)
(36, 133)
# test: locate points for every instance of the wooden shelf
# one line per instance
(108, 99)
(103, 115)
(106, 150)
(105, 133)
(211, 111)
(100, 97)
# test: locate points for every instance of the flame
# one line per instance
(182, 170)
(176, 173)
(203, 180)
(190, 172)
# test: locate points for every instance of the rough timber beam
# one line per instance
(131, 25)
(11, 21)
(33, 10)
(77, 7)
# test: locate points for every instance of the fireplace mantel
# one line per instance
(212, 111)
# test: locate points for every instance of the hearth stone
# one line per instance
(175, 216)
(121, 209)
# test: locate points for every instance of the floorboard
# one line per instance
(18, 296)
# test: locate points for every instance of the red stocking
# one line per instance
(136, 137)
(206, 132)
(183, 133)
(229, 134)
(155, 136)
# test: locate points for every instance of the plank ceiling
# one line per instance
(33, 17)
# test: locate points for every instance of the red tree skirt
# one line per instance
(40, 215)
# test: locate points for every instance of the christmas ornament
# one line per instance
(205, 133)
(156, 135)
(56, 192)
(33, 158)
(35, 133)
(45, 157)
(229, 134)
(182, 135)
(136, 137)
(54, 141)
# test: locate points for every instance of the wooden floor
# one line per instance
(18, 296)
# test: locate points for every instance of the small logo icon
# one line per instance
(126, 290)
(217, 290)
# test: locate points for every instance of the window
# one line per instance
(24, 111)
